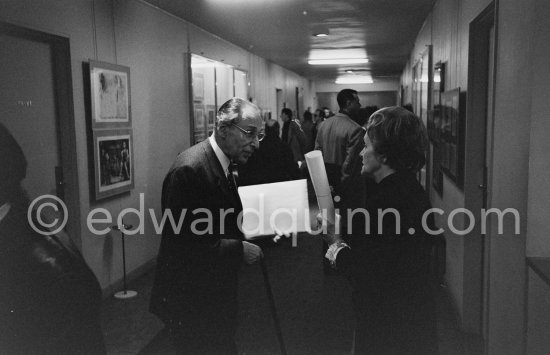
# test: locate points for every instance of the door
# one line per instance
(481, 65)
(27, 109)
(36, 107)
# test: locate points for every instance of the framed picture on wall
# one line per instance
(198, 86)
(113, 162)
(200, 124)
(452, 136)
(199, 117)
(110, 95)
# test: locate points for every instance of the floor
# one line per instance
(314, 309)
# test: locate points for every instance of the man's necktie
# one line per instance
(233, 176)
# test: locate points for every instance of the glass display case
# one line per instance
(213, 83)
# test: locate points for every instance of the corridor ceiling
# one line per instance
(281, 31)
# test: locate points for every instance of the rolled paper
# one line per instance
(319, 179)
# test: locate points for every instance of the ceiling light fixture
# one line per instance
(355, 79)
(338, 61)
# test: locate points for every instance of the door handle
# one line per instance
(59, 182)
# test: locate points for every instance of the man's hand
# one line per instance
(251, 253)
(280, 235)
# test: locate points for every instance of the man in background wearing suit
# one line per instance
(196, 280)
(340, 139)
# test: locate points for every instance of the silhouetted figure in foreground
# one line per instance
(50, 300)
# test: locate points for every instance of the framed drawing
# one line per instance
(113, 162)
(198, 86)
(199, 123)
(110, 95)
(199, 117)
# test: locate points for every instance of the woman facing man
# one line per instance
(389, 267)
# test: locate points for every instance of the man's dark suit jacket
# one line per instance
(195, 284)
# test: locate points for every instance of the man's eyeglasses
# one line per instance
(251, 134)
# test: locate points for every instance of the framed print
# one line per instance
(200, 125)
(199, 117)
(113, 162)
(198, 86)
(110, 95)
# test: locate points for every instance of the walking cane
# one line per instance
(272, 306)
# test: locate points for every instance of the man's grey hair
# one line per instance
(236, 109)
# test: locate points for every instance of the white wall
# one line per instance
(154, 45)
(447, 29)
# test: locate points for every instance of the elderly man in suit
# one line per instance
(195, 287)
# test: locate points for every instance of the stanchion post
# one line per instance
(125, 293)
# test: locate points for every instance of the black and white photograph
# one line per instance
(113, 161)
(404, 143)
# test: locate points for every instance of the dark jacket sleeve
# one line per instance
(352, 163)
(202, 235)
(297, 141)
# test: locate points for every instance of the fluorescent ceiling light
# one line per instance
(337, 56)
(355, 79)
(338, 61)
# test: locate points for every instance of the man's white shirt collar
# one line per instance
(222, 158)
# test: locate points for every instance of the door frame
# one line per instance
(68, 187)
(479, 130)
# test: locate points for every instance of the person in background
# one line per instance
(318, 118)
(273, 162)
(340, 139)
(50, 300)
(296, 138)
(389, 266)
(328, 112)
(308, 128)
(196, 280)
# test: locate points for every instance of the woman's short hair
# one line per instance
(235, 110)
(400, 136)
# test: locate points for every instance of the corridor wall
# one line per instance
(154, 44)
(500, 289)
